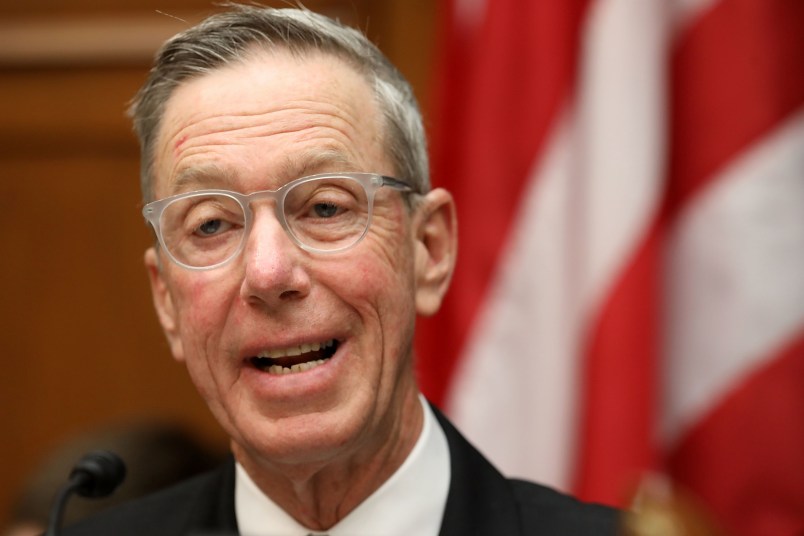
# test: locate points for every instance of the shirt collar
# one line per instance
(411, 501)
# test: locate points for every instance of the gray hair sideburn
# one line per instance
(227, 37)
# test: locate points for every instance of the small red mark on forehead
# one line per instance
(179, 143)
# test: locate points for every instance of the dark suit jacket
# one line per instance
(481, 502)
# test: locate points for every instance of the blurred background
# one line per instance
(628, 309)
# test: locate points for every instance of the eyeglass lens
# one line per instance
(323, 214)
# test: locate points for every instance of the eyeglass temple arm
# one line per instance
(395, 183)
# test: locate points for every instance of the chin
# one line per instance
(304, 438)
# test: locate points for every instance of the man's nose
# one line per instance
(274, 268)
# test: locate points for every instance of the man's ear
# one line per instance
(163, 302)
(436, 231)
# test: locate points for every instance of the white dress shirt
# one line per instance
(412, 501)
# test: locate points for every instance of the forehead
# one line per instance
(271, 107)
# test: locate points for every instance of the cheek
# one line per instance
(385, 271)
(383, 283)
(203, 306)
(203, 309)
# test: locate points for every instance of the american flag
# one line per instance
(629, 296)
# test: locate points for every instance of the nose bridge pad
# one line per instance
(280, 216)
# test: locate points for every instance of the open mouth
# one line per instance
(295, 359)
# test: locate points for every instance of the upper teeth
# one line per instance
(296, 350)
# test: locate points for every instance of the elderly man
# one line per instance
(285, 175)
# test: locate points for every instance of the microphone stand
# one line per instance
(57, 510)
(97, 474)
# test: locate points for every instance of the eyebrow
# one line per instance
(203, 177)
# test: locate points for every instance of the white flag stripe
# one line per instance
(621, 148)
(527, 330)
(531, 324)
(735, 289)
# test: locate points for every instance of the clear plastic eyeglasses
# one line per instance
(323, 213)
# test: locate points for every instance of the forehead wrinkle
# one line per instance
(312, 161)
(340, 109)
(295, 118)
(297, 165)
(306, 116)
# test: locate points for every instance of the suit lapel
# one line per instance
(480, 500)
(213, 511)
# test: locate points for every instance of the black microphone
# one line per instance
(97, 474)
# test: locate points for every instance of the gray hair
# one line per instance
(227, 37)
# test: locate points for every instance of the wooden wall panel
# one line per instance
(80, 335)
(80, 340)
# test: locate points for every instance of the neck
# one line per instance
(320, 494)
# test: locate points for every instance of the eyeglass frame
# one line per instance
(371, 182)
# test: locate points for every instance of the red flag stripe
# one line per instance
(614, 155)
(532, 46)
(733, 287)
(737, 76)
(619, 410)
(736, 73)
(620, 348)
(528, 330)
(745, 456)
(708, 129)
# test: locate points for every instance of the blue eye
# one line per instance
(210, 227)
(325, 210)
